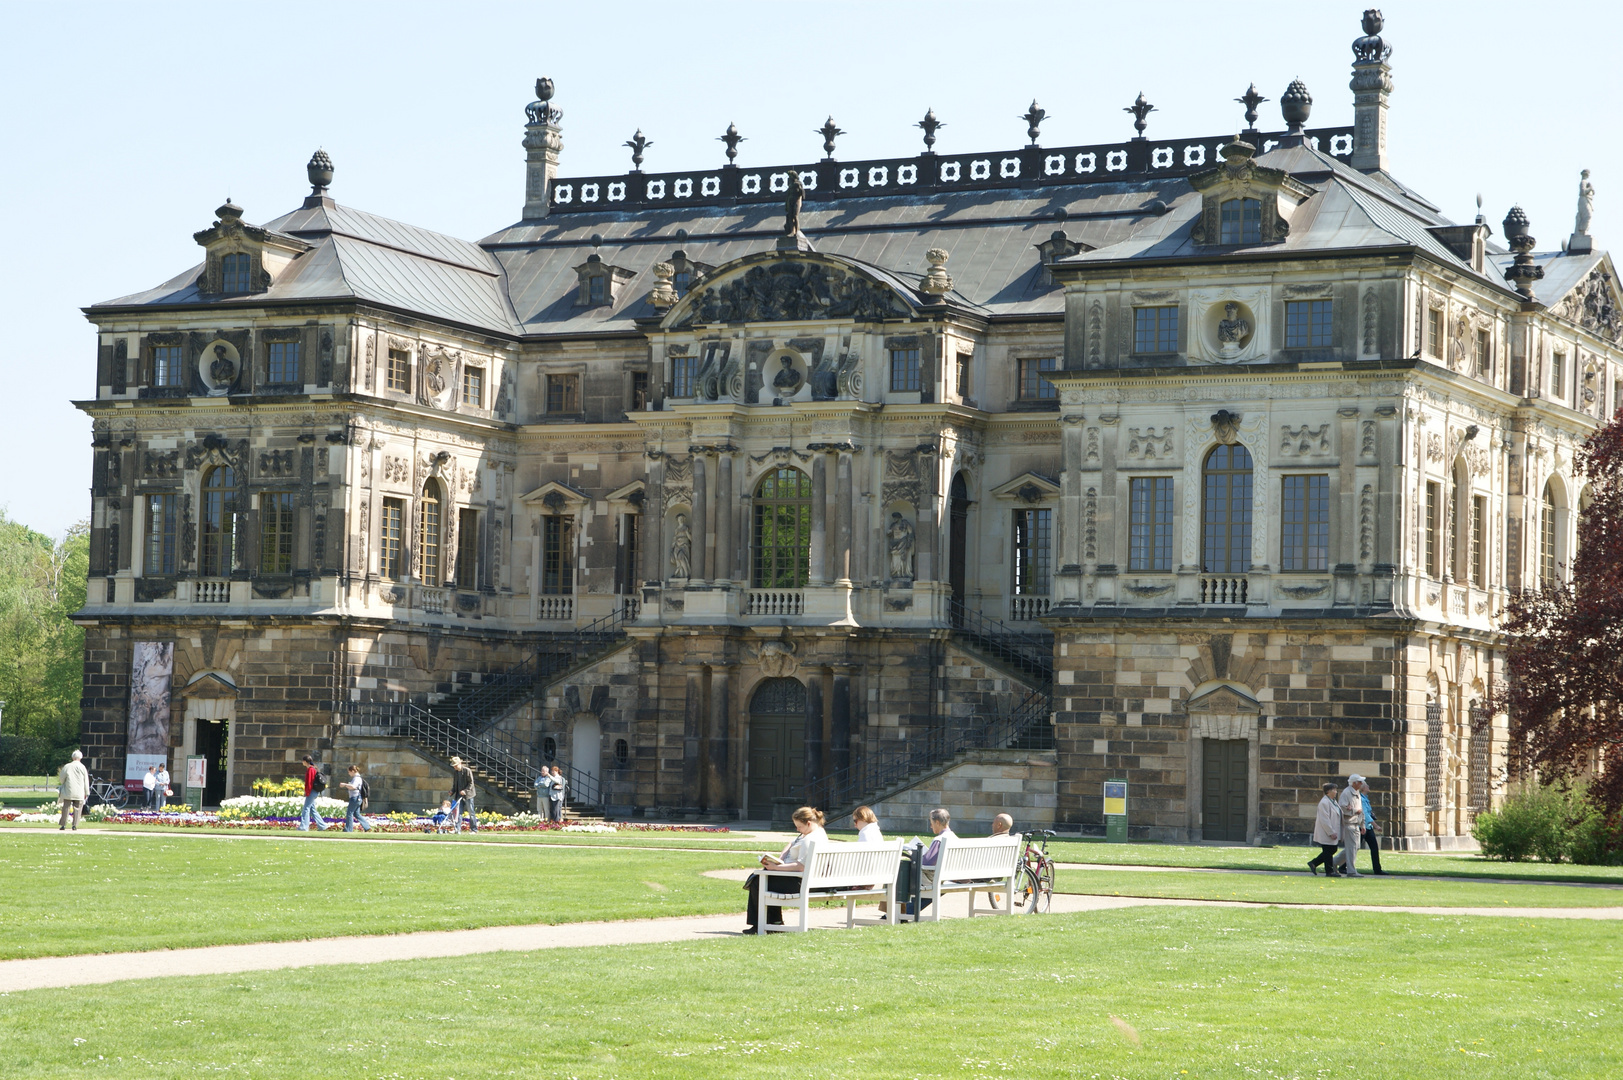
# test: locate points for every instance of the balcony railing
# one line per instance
(207, 591)
(555, 608)
(630, 608)
(776, 602)
(431, 601)
(1027, 608)
(1223, 590)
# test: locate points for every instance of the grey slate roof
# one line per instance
(1561, 272)
(521, 280)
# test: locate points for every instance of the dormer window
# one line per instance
(234, 274)
(600, 282)
(1241, 221)
(682, 281)
(597, 290)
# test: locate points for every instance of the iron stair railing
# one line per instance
(484, 705)
(1030, 653)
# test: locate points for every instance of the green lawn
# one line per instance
(1295, 858)
(103, 893)
(27, 781)
(26, 800)
(1138, 995)
(1301, 889)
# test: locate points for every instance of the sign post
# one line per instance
(196, 780)
(1116, 811)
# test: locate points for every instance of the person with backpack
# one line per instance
(357, 801)
(314, 785)
(462, 795)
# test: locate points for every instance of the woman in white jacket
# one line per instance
(1326, 833)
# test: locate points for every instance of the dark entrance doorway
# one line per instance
(957, 544)
(777, 761)
(214, 743)
(1223, 794)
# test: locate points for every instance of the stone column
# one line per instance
(840, 721)
(726, 542)
(692, 725)
(653, 525)
(1344, 489)
(717, 773)
(818, 572)
(703, 524)
(842, 519)
(814, 728)
(927, 534)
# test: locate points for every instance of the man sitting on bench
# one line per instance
(941, 825)
(1002, 824)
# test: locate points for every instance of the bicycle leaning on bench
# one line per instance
(1034, 883)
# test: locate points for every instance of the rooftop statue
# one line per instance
(1586, 204)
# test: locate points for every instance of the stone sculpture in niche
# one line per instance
(1232, 330)
(901, 549)
(222, 369)
(1226, 426)
(787, 381)
(681, 548)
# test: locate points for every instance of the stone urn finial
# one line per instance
(937, 282)
(663, 296)
(319, 169)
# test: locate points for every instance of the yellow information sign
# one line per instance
(1115, 797)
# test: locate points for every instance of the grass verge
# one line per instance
(335, 833)
(1301, 889)
(1162, 993)
(99, 893)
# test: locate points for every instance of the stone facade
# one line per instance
(1249, 440)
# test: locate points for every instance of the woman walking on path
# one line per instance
(1326, 833)
(462, 795)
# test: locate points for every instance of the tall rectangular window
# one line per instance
(428, 535)
(1149, 523)
(1307, 324)
(276, 532)
(1240, 221)
(473, 387)
(563, 394)
(467, 549)
(1033, 532)
(1434, 333)
(399, 373)
(1305, 523)
(684, 376)
(905, 371)
(391, 531)
(1558, 375)
(557, 541)
(160, 530)
(1155, 329)
(1033, 387)
(1479, 528)
(282, 363)
(964, 372)
(167, 367)
(1484, 352)
(597, 290)
(630, 551)
(639, 391)
(235, 272)
(1434, 498)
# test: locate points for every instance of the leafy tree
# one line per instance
(1564, 693)
(42, 583)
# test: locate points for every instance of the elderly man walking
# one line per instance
(72, 788)
(1351, 805)
(1326, 833)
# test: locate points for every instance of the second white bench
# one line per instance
(835, 870)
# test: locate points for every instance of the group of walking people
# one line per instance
(1346, 819)
(155, 789)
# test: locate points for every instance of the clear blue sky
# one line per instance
(124, 125)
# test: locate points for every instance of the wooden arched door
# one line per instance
(777, 741)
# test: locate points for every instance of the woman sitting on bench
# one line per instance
(808, 821)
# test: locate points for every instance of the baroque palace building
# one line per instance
(1203, 464)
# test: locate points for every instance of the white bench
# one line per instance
(987, 865)
(841, 871)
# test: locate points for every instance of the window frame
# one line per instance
(397, 371)
(776, 563)
(1431, 538)
(168, 365)
(563, 393)
(1031, 382)
(284, 362)
(1310, 324)
(1477, 561)
(964, 374)
(597, 290)
(1484, 351)
(639, 391)
(217, 523)
(1160, 338)
(473, 379)
(908, 362)
(1247, 221)
(467, 548)
(1434, 333)
(684, 375)
(430, 534)
(1237, 520)
(1304, 525)
(1548, 539)
(1033, 550)
(236, 269)
(1558, 375)
(630, 552)
(1150, 520)
(391, 539)
(278, 520)
(159, 558)
(557, 555)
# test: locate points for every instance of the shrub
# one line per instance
(29, 755)
(1550, 822)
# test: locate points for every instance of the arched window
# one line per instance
(428, 533)
(234, 270)
(1226, 513)
(782, 537)
(219, 522)
(1547, 536)
(1241, 221)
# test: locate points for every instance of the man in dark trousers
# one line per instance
(312, 792)
(462, 795)
(1371, 836)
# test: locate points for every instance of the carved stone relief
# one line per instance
(1304, 441)
(1096, 332)
(1090, 525)
(277, 463)
(1366, 523)
(1153, 444)
(1091, 453)
(1593, 306)
(901, 478)
(794, 290)
(159, 465)
(1366, 449)
(396, 470)
(215, 450)
(1372, 322)
(369, 380)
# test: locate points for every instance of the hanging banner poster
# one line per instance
(151, 668)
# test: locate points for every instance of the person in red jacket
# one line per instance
(312, 791)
